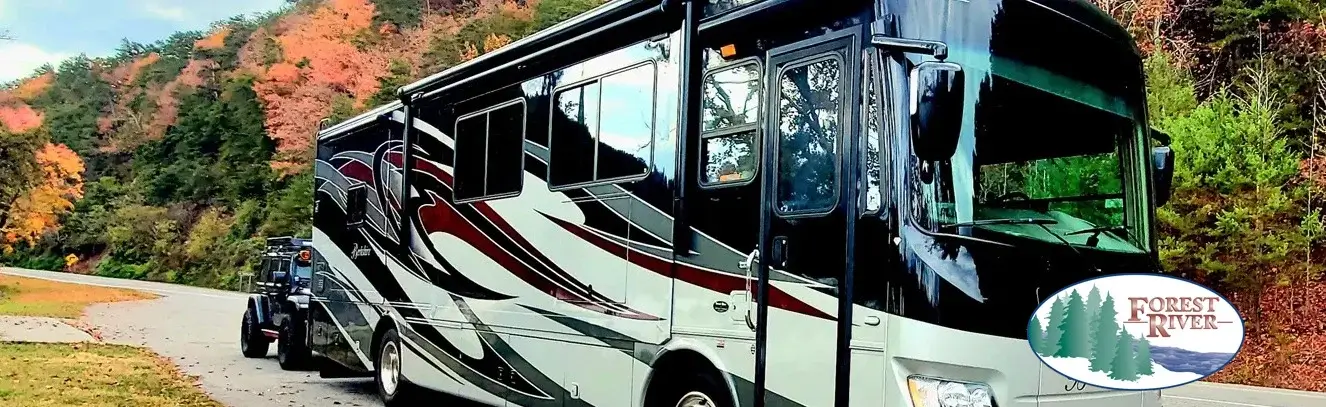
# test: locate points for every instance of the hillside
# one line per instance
(169, 161)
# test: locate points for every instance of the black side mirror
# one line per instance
(938, 89)
(1163, 159)
(280, 277)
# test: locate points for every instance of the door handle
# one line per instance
(750, 260)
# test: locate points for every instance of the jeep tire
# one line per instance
(291, 347)
(251, 340)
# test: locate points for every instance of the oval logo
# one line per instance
(1136, 332)
(721, 306)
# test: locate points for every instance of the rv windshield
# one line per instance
(1052, 150)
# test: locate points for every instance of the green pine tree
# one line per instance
(1125, 363)
(1075, 341)
(1093, 313)
(1144, 357)
(1104, 336)
(1036, 335)
(1052, 331)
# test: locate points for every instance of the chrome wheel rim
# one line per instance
(695, 399)
(390, 370)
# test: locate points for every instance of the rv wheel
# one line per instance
(393, 388)
(251, 341)
(694, 390)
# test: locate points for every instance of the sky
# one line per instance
(48, 31)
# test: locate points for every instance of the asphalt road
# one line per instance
(198, 329)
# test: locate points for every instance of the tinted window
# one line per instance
(603, 130)
(809, 113)
(471, 142)
(730, 112)
(489, 148)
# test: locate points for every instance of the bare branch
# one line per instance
(4, 36)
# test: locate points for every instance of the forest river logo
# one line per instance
(1136, 332)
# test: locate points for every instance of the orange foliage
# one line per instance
(32, 87)
(495, 41)
(19, 118)
(215, 40)
(39, 211)
(127, 73)
(320, 59)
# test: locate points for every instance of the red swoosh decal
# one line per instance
(717, 282)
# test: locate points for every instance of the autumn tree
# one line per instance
(37, 210)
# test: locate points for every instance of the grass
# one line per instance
(44, 298)
(37, 375)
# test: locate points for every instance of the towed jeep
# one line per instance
(278, 304)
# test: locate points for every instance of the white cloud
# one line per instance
(175, 13)
(19, 60)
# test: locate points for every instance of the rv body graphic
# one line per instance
(718, 204)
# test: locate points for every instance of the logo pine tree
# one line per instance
(1124, 366)
(1036, 335)
(1074, 343)
(1104, 336)
(1144, 357)
(1093, 313)
(1050, 347)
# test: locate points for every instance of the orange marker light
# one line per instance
(305, 255)
(728, 50)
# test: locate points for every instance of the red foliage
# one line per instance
(19, 118)
(320, 59)
(1289, 347)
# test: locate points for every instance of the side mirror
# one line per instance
(938, 89)
(280, 277)
(1163, 159)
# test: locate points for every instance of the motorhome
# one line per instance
(742, 203)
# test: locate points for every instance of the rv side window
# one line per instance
(356, 202)
(810, 112)
(875, 158)
(603, 129)
(729, 126)
(490, 150)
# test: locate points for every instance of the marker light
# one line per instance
(728, 50)
(305, 255)
(932, 392)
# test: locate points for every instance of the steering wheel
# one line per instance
(1015, 194)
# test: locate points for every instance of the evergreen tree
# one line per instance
(1125, 363)
(1144, 357)
(1052, 330)
(1093, 312)
(1036, 335)
(1104, 336)
(1075, 341)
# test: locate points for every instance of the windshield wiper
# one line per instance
(1095, 233)
(1041, 222)
(1005, 221)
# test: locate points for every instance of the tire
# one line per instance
(694, 390)
(292, 350)
(251, 341)
(393, 388)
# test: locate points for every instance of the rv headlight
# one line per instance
(932, 392)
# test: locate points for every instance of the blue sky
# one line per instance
(52, 30)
